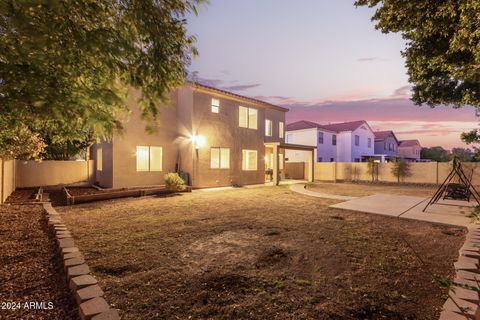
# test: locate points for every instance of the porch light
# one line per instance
(198, 141)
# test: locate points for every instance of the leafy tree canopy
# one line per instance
(443, 48)
(65, 66)
(435, 154)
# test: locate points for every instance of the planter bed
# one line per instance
(25, 195)
(78, 195)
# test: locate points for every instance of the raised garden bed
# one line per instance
(25, 195)
(76, 195)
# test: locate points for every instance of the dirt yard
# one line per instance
(367, 189)
(29, 271)
(261, 253)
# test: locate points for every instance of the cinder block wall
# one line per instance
(422, 172)
(52, 173)
(7, 178)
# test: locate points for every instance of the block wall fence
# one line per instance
(27, 174)
(421, 172)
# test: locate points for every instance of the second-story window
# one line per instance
(281, 129)
(268, 128)
(215, 105)
(357, 140)
(334, 139)
(369, 142)
(248, 118)
(289, 138)
(320, 137)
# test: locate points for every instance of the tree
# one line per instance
(66, 66)
(463, 154)
(372, 168)
(435, 154)
(18, 141)
(442, 53)
(401, 169)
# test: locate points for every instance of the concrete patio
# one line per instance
(408, 207)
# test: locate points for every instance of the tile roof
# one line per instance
(334, 127)
(409, 143)
(382, 135)
(344, 126)
(237, 96)
(300, 125)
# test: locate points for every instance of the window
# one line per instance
(357, 140)
(289, 138)
(249, 161)
(332, 159)
(385, 145)
(248, 118)
(334, 139)
(99, 159)
(268, 128)
(149, 158)
(369, 142)
(219, 158)
(320, 159)
(215, 105)
(320, 137)
(280, 129)
(357, 160)
(155, 158)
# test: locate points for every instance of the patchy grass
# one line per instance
(29, 268)
(367, 189)
(261, 253)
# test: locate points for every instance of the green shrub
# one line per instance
(174, 182)
(401, 169)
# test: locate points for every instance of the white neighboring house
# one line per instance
(341, 142)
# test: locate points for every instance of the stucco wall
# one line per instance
(307, 137)
(222, 130)
(124, 148)
(7, 178)
(51, 173)
(430, 172)
(295, 170)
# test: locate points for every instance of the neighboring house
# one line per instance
(341, 142)
(386, 145)
(409, 150)
(217, 137)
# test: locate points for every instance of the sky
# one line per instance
(321, 59)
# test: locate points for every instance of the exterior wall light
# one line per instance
(198, 141)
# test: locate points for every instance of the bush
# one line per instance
(401, 169)
(174, 182)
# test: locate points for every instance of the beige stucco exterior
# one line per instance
(7, 178)
(190, 114)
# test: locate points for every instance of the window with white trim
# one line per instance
(369, 142)
(99, 159)
(268, 128)
(357, 140)
(215, 106)
(219, 158)
(281, 130)
(248, 117)
(320, 137)
(249, 160)
(149, 158)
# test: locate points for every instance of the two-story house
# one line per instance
(386, 145)
(409, 150)
(217, 137)
(341, 142)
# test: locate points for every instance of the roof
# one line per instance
(382, 135)
(344, 126)
(197, 85)
(409, 143)
(301, 125)
(334, 127)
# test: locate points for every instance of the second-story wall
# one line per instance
(388, 146)
(365, 146)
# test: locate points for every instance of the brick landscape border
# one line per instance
(84, 287)
(464, 296)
